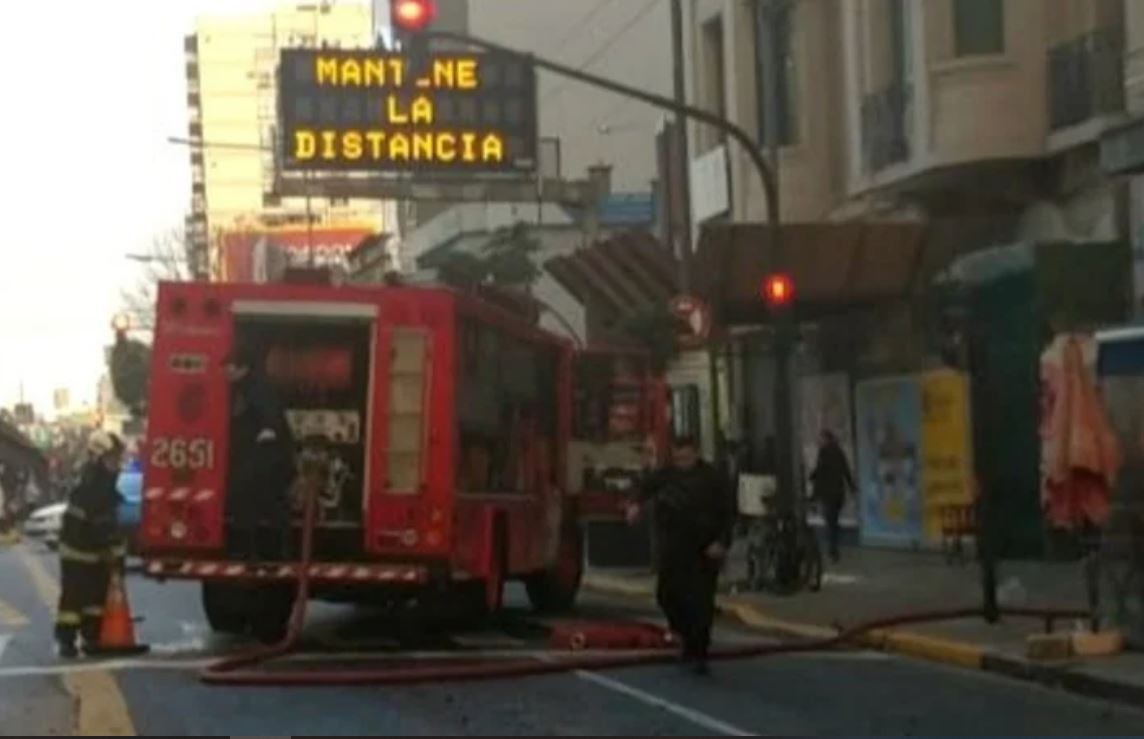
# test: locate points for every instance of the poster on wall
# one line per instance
(947, 460)
(824, 404)
(888, 426)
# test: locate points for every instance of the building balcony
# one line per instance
(885, 129)
(1086, 78)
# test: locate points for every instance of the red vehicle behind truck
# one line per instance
(457, 435)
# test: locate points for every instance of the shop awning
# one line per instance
(835, 266)
(618, 276)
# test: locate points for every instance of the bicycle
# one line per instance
(783, 554)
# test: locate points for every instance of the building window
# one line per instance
(779, 19)
(714, 78)
(978, 27)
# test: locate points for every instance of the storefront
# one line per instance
(862, 369)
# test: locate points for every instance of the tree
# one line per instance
(130, 359)
(165, 260)
(655, 329)
(506, 260)
(129, 366)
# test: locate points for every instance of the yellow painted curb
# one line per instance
(935, 649)
(920, 646)
(618, 586)
(755, 618)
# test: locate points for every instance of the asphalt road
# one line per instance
(833, 693)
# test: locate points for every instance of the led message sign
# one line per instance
(368, 110)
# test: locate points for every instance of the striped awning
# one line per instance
(623, 274)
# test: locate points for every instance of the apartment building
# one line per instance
(901, 109)
(1122, 149)
(231, 105)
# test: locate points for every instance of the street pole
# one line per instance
(741, 137)
(783, 325)
(680, 151)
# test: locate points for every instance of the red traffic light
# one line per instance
(778, 290)
(413, 16)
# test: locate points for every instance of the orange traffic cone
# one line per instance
(117, 630)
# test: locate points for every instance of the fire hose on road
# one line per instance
(242, 668)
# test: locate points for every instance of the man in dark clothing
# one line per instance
(262, 457)
(832, 480)
(89, 545)
(693, 518)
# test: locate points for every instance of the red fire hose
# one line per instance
(238, 669)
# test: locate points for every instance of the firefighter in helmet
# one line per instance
(89, 545)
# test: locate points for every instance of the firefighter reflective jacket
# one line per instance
(89, 528)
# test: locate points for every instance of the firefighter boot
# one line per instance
(66, 642)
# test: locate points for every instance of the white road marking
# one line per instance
(690, 714)
(838, 578)
(109, 666)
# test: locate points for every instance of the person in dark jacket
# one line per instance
(89, 545)
(262, 458)
(832, 480)
(694, 516)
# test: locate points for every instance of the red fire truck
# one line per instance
(450, 425)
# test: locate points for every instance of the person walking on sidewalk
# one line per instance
(693, 520)
(832, 480)
(89, 545)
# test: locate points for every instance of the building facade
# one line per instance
(232, 108)
(899, 109)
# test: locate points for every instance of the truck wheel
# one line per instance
(226, 607)
(272, 613)
(555, 588)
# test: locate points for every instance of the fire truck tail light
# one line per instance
(434, 538)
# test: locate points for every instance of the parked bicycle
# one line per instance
(783, 554)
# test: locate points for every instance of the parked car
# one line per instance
(45, 523)
(130, 487)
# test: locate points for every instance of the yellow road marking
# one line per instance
(101, 709)
(11, 617)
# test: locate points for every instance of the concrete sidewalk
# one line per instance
(869, 585)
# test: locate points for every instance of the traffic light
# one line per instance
(778, 290)
(412, 16)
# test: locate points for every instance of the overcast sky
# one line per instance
(91, 92)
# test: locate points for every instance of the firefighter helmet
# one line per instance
(103, 442)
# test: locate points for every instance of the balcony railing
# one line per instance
(885, 127)
(1086, 78)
